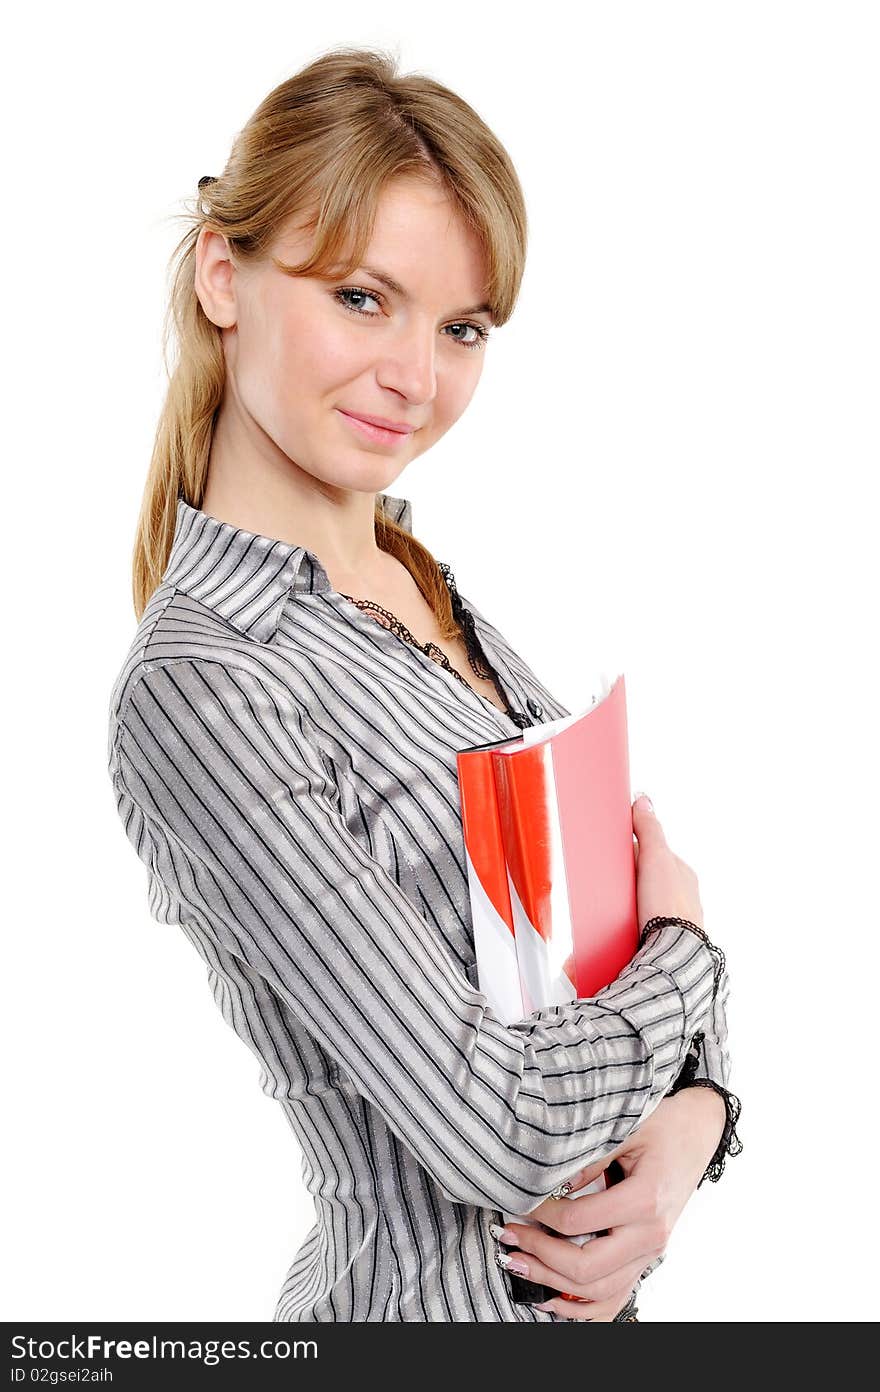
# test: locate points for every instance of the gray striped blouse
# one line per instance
(285, 767)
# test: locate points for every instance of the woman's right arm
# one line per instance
(222, 792)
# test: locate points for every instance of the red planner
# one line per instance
(547, 825)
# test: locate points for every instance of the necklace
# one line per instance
(465, 619)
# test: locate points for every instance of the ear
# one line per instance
(214, 280)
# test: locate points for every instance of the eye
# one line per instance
(479, 329)
(353, 290)
(482, 333)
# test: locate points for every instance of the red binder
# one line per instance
(547, 826)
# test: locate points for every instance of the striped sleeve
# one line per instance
(217, 764)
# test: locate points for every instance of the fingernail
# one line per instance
(648, 803)
(514, 1264)
(501, 1234)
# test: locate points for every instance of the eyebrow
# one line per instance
(397, 289)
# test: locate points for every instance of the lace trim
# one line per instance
(475, 651)
(465, 619)
(730, 1143)
(400, 630)
(654, 924)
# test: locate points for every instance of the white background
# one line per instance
(668, 469)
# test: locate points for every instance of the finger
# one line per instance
(612, 1207)
(565, 1266)
(551, 1211)
(597, 1311)
(603, 1313)
(555, 1212)
(616, 1287)
(574, 1261)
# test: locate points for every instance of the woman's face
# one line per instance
(301, 351)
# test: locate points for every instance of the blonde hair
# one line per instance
(321, 147)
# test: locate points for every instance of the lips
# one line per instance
(390, 439)
(399, 427)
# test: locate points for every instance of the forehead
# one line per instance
(419, 239)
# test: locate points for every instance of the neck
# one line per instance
(262, 491)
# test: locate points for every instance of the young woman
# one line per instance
(283, 737)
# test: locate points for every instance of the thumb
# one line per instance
(644, 819)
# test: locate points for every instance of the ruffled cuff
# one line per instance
(730, 1143)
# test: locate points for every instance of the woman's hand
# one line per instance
(665, 884)
(663, 1162)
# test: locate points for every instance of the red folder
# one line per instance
(547, 825)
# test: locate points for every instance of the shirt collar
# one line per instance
(245, 577)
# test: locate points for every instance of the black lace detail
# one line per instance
(730, 1143)
(465, 619)
(654, 924)
(400, 630)
(475, 651)
(690, 1065)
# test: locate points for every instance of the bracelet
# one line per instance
(660, 921)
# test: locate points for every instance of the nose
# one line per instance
(409, 363)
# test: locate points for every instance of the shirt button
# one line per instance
(535, 707)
